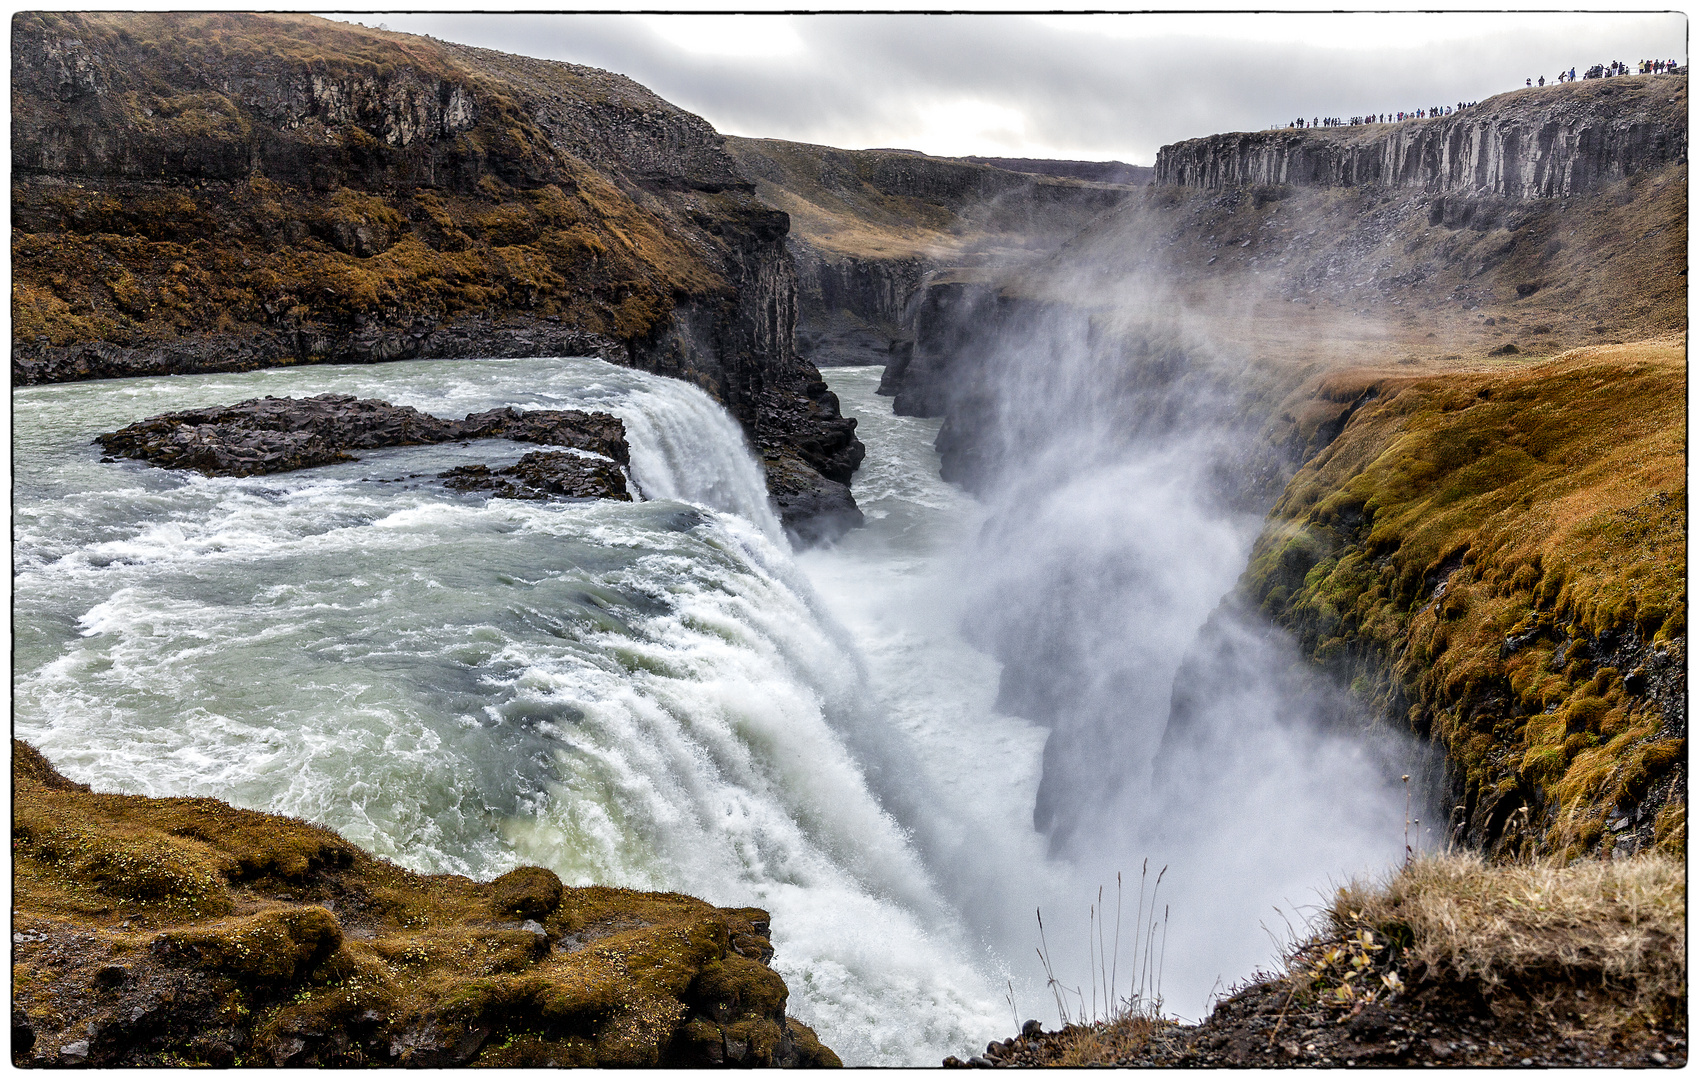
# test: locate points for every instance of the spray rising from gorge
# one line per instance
(1151, 546)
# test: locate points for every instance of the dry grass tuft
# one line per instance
(1619, 924)
(1106, 1043)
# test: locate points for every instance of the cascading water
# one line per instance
(651, 694)
(647, 694)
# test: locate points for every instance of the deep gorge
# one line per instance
(991, 532)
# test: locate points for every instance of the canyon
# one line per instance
(1351, 274)
(1431, 372)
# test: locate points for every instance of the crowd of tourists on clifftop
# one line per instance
(1597, 71)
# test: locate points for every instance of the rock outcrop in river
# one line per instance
(272, 435)
(217, 192)
(172, 932)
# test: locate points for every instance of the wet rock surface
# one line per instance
(543, 474)
(271, 435)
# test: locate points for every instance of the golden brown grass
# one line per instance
(1106, 1043)
(1617, 925)
(131, 262)
(1543, 503)
(240, 905)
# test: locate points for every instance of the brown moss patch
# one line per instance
(1475, 551)
(185, 931)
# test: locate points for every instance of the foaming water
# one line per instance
(659, 695)
(649, 694)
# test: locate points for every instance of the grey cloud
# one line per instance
(864, 79)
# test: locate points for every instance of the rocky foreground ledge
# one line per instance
(171, 932)
(1452, 962)
(270, 435)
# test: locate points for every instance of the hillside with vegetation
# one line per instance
(185, 932)
(220, 192)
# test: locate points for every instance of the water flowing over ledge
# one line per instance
(648, 694)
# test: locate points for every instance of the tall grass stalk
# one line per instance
(1149, 958)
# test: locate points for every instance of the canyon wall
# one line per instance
(229, 191)
(1535, 143)
(868, 227)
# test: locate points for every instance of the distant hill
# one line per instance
(867, 227)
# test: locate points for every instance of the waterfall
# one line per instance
(646, 694)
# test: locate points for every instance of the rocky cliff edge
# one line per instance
(221, 192)
(1540, 142)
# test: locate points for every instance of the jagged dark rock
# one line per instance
(270, 435)
(542, 474)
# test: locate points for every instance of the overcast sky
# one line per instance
(1094, 87)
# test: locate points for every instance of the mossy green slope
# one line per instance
(1498, 560)
(152, 932)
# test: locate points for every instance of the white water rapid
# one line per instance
(647, 694)
(654, 694)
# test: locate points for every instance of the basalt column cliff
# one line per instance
(223, 192)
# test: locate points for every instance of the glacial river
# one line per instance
(655, 694)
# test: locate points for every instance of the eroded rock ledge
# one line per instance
(170, 932)
(269, 435)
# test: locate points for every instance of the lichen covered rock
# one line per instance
(156, 932)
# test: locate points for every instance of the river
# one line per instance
(655, 694)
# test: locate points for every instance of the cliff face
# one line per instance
(1547, 142)
(171, 932)
(869, 226)
(1296, 275)
(224, 192)
(1478, 563)
(854, 309)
